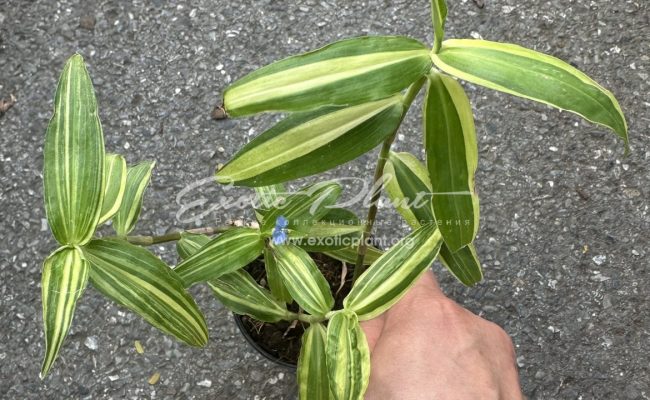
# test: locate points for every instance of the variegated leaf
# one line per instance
(226, 253)
(463, 264)
(409, 188)
(348, 72)
(389, 278)
(274, 279)
(268, 195)
(349, 254)
(306, 284)
(307, 143)
(526, 73)
(133, 277)
(303, 208)
(73, 158)
(438, 19)
(65, 276)
(239, 292)
(348, 357)
(313, 383)
(137, 180)
(408, 180)
(115, 186)
(452, 154)
(190, 243)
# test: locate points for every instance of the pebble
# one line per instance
(205, 383)
(607, 301)
(599, 259)
(91, 342)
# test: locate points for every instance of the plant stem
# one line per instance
(170, 237)
(359, 268)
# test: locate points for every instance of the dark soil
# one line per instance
(282, 340)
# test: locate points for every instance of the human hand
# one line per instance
(428, 347)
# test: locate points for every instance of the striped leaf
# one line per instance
(463, 264)
(190, 243)
(526, 73)
(348, 357)
(388, 278)
(73, 158)
(323, 236)
(65, 276)
(226, 253)
(313, 383)
(268, 195)
(409, 189)
(348, 72)
(306, 284)
(115, 185)
(133, 277)
(274, 279)
(408, 180)
(337, 229)
(239, 292)
(349, 254)
(137, 180)
(452, 156)
(303, 208)
(307, 143)
(438, 19)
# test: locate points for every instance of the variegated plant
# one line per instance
(342, 101)
(84, 187)
(347, 98)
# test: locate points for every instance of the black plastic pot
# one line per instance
(258, 347)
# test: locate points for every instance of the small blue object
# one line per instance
(279, 234)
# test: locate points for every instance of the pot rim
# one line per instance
(256, 346)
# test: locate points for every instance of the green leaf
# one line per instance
(348, 72)
(190, 243)
(349, 254)
(115, 186)
(273, 277)
(526, 73)
(137, 180)
(133, 277)
(463, 264)
(303, 280)
(226, 253)
(268, 195)
(452, 154)
(348, 357)
(65, 276)
(307, 143)
(438, 19)
(409, 189)
(408, 180)
(239, 292)
(389, 278)
(303, 208)
(73, 158)
(313, 383)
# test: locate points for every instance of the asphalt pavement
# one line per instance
(565, 224)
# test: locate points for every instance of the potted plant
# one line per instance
(342, 101)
